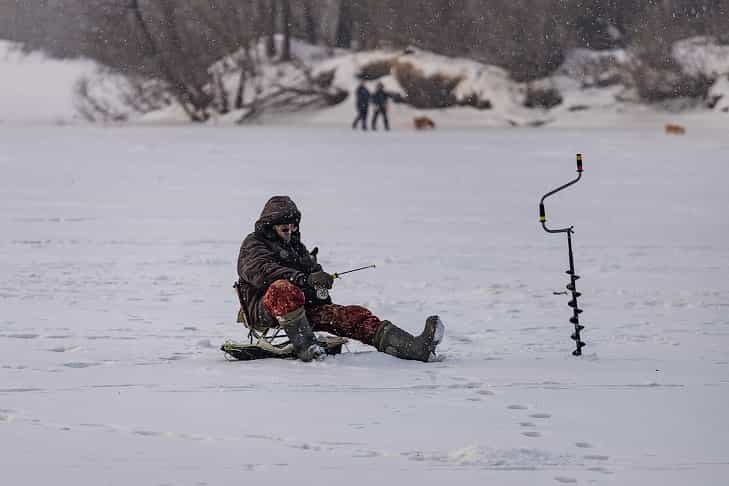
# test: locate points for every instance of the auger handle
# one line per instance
(542, 210)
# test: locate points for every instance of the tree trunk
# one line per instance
(270, 16)
(345, 25)
(223, 102)
(241, 90)
(286, 21)
(310, 23)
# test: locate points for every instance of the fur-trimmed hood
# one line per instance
(278, 210)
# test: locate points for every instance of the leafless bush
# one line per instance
(667, 81)
(376, 69)
(423, 91)
(325, 79)
(305, 93)
(92, 108)
(654, 72)
(107, 97)
(475, 101)
(597, 70)
(712, 101)
(574, 108)
(288, 99)
(542, 97)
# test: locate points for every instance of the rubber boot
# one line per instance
(297, 328)
(394, 341)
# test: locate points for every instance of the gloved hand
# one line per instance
(320, 279)
(312, 257)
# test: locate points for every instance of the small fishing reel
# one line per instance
(322, 293)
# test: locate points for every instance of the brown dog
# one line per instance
(675, 129)
(423, 123)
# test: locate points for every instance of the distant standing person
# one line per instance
(379, 99)
(363, 105)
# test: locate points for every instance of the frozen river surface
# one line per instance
(117, 255)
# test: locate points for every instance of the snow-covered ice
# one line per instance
(117, 255)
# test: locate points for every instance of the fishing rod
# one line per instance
(572, 286)
(339, 274)
(323, 293)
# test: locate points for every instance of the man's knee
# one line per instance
(283, 297)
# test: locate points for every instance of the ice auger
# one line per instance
(572, 286)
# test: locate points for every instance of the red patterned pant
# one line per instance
(352, 321)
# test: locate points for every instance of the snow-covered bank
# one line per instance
(589, 97)
(117, 251)
(36, 88)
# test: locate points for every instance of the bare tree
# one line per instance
(168, 51)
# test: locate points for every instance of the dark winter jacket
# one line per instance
(379, 99)
(363, 98)
(265, 258)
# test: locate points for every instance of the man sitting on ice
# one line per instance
(278, 281)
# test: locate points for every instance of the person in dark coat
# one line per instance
(379, 99)
(363, 105)
(279, 278)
